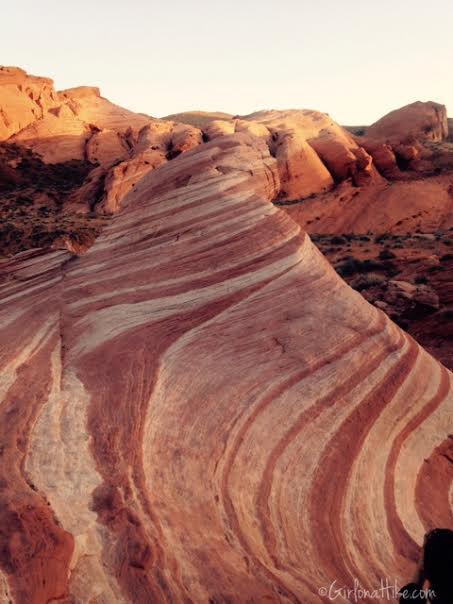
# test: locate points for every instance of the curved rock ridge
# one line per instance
(200, 410)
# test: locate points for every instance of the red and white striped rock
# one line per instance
(200, 410)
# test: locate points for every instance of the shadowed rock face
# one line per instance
(200, 410)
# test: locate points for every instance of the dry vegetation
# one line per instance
(32, 203)
(407, 276)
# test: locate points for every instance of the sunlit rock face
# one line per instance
(23, 99)
(424, 121)
(59, 129)
(312, 151)
(200, 410)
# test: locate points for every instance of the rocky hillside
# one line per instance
(115, 148)
(407, 217)
(69, 158)
(198, 409)
(195, 407)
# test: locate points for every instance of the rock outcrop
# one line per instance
(312, 151)
(200, 410)
(420, 121)
(388, 207)
(79, 125)
(83, 125)
(23, 99)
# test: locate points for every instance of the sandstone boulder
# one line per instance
(301, 171)
(423, 121)
(384, 158)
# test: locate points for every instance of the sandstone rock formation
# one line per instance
(312, 151)
(422, 121)
(23, 99)
(200, 410)
(199, 119)
(79, 125)
(388, 207)
(83, 126)
(412, 197)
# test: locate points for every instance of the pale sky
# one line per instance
(355, 59)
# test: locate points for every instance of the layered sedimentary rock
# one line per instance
(200, 410)
(80, 125)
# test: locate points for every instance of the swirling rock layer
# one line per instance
(200, 410)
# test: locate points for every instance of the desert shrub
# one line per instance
(386, 254)
(338, 240)
(347, 267)
(351, 266)
(367, 283)
(421, 280)
(24, 201)
(366, 266)
(400, 322)
(382, 237)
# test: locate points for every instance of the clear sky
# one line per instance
(355, 59)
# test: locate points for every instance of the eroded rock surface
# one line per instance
(50, 138)
(312, 151)
(23, 99)
(422, 121)
(200, 410)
